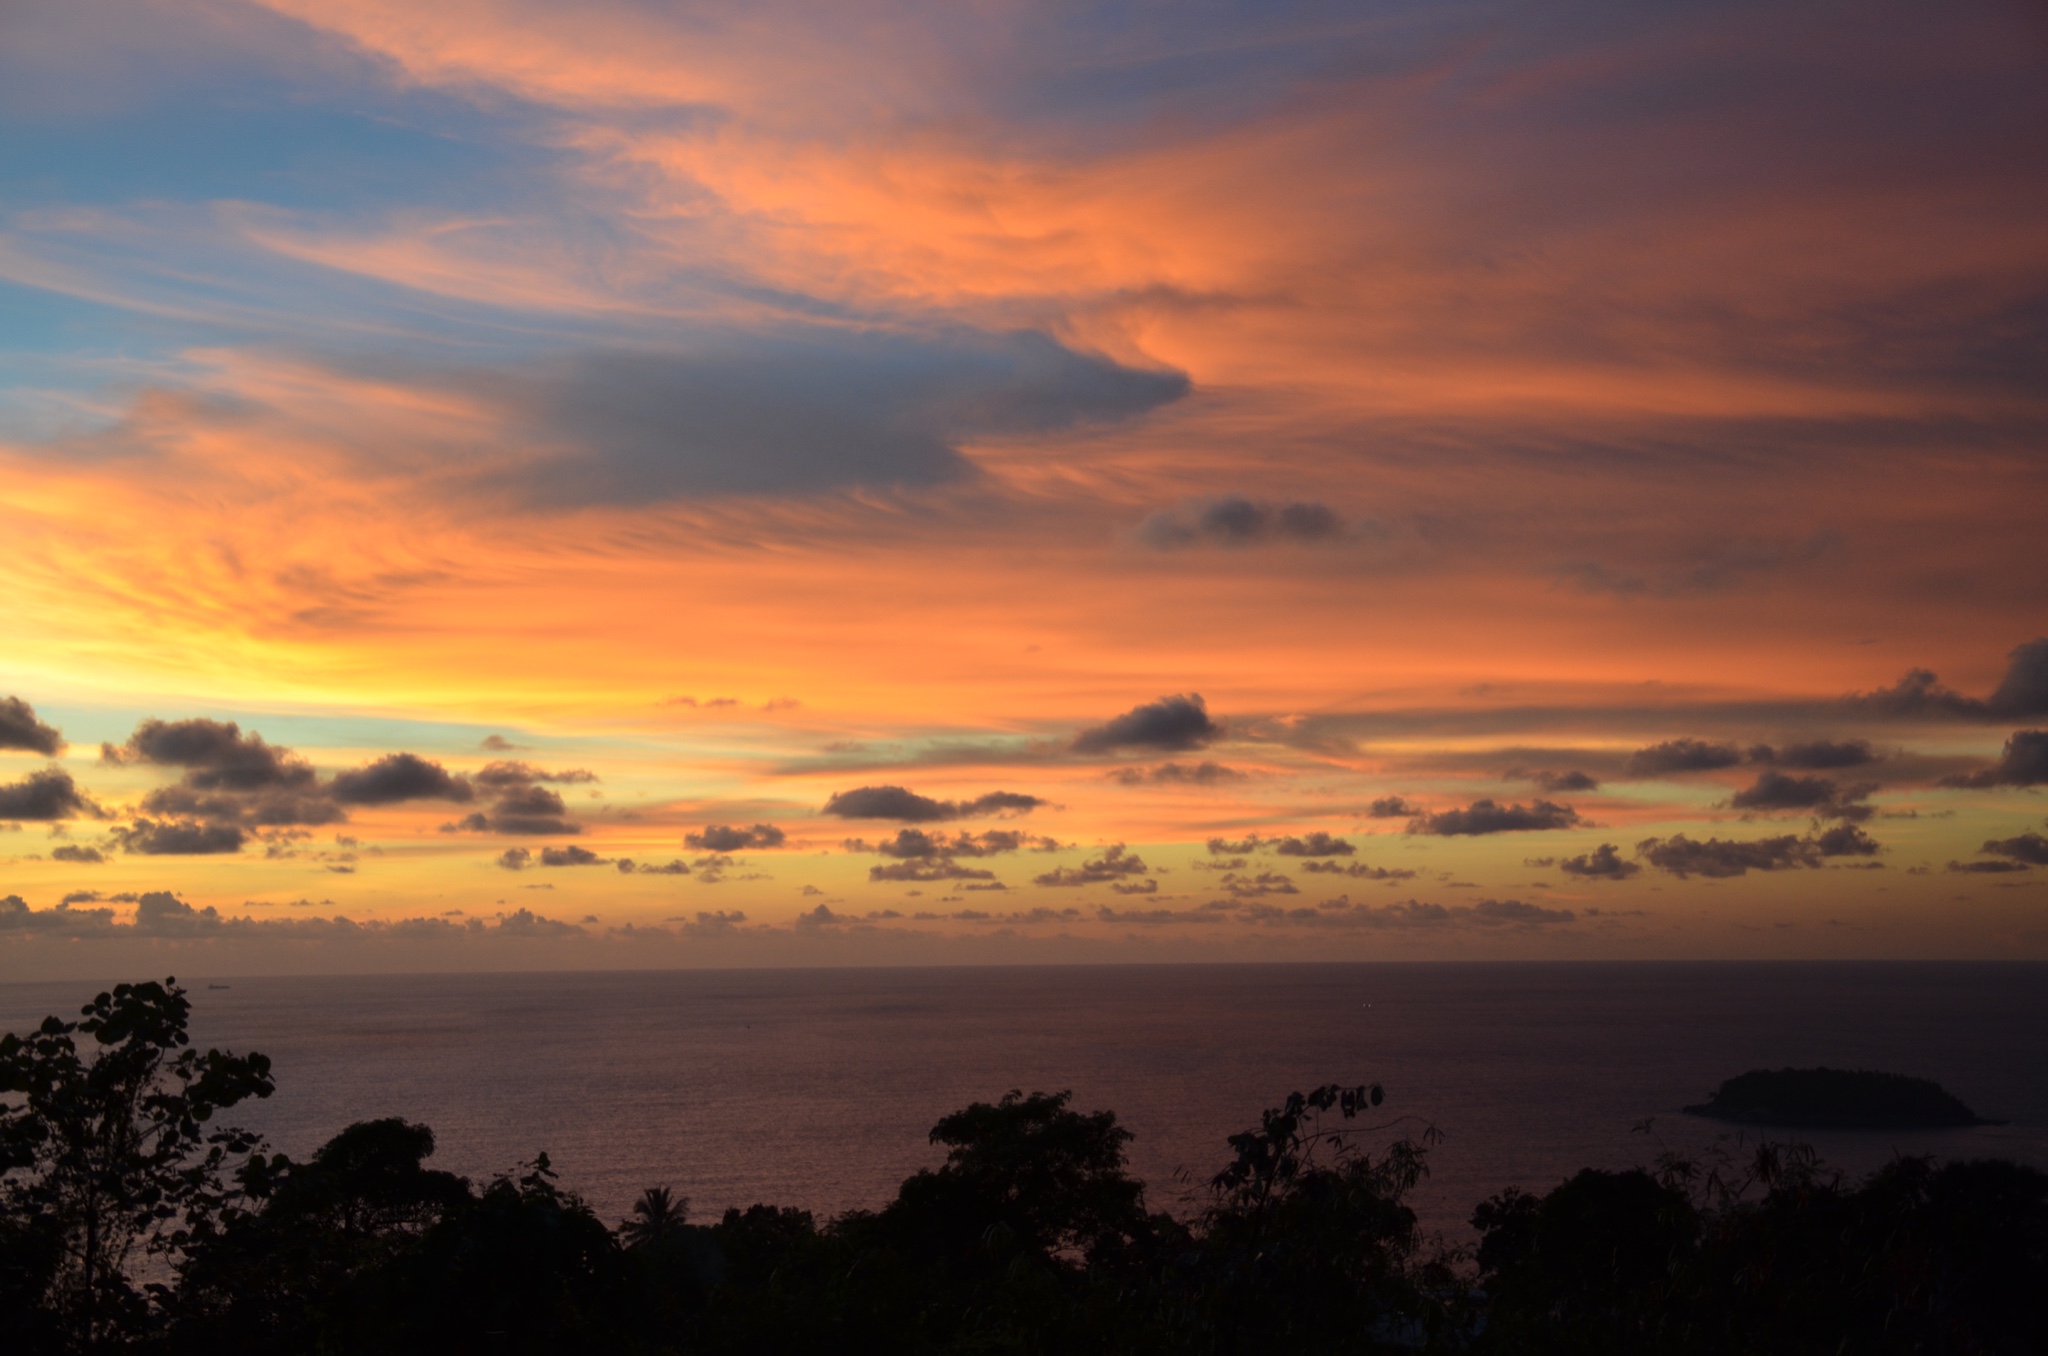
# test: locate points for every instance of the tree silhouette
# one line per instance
(108, 1157)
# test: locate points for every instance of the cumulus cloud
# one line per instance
(1571, 780)
(17, 917)
(1485, 816)
(1603, 863)
(1316, 844)
(900, 803)
(2030, 849)
(1264, 883)
(513, 772)
(1172, 724)
(1204, 773)
(916, 843)
(1777, 791)
(727, 838)
(178, 838)
(1846, 840)
(1391, 807)
(1820, 755)
(928, 869)
(2024, 690)
(1682, 755)
(515, 859)
(75, 853)
(49, 794)
(1719, 859)
(21, 729)
(2024, 762)
(675, 867)
(1411, 915)
(1114, 864)
(398, 777)
(571, 856)
(216, 755)
(233, 779)
(1234, 520)
(525, 810)
(1358, 871)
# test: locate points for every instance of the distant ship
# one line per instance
(216, 986)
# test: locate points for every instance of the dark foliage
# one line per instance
(1031, 1237)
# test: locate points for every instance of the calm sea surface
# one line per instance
(816, 1088)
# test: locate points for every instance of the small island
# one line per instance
(1836, 1099)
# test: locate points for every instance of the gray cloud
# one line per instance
(1846, 840)
(1920, 694)
(1234, 520)
(1774, 790)
(1993, 868)
(675, 867)
(16, 916)
(216, 754)
(1358, 870)
(1172, 724)
(1682, 755)
(928, 869)
(900, 803)
(1316, 844)
(1573, 780)
(571, 856)
(1204, 773)
(45, 795)
(916, 844)
(515, 859)
(82, 856)
(20, 729)
(2024, 690)
(2024, 762)
(398, 777)
(1391, 807)
(2029, 848)
(1820, 755)
(269, 806)
(1485, 816)
(1603, 863)
(178, 838)
(1113, 864)
(508, 773)
(794, 414)
(526, 810)
(1411, 915)
(727, 838)
(1517, 913)
(1718, 859)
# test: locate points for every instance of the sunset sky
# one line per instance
(509, 484)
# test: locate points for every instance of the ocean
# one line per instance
(817, 1088)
